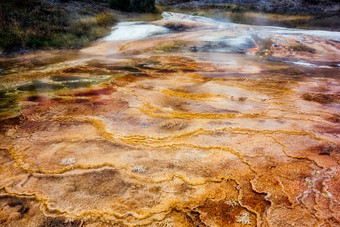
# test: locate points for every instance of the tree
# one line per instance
(123, 5)
(133, 5)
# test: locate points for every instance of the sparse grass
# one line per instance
(84, 30)
(37, 24)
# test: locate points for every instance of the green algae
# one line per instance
(36, 86)
(65, 78)
(77, 84)
(9, 105)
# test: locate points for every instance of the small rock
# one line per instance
(138, 169)
(68, 161)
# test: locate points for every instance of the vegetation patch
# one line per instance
(38, 24)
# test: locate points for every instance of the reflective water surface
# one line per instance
(183, 121)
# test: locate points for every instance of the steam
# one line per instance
(191, 18)
(134, 31)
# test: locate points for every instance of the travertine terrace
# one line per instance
(203, 124)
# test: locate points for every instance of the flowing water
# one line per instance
(184, 121)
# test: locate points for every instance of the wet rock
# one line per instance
(34, 98)
(178, 27)
(321, 97)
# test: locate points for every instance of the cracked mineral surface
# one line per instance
(214, 124)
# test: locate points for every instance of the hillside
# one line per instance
(44, 23)
(273, 6)
(303, 14)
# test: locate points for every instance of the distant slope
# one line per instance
(36, 24)
(274, 6)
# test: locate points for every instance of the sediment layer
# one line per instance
(144, 133)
